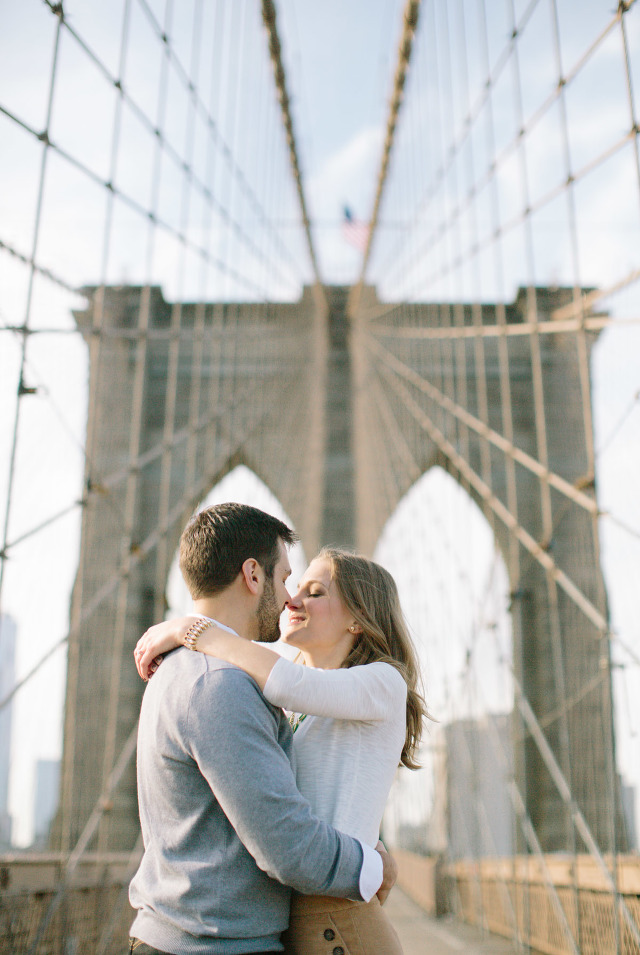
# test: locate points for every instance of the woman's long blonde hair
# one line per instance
(370, 593)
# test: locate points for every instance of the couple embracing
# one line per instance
(261, 829)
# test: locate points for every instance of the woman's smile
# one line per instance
(295, 619)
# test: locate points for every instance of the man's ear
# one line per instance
(253, 575)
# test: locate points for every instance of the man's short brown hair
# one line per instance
(217, 541)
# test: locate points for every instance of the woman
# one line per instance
(355, 710)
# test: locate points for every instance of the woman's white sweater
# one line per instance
(349, 744)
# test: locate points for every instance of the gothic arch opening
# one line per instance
(454, 589)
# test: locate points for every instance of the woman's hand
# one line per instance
(157, 641)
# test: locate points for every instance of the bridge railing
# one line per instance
(93, 915)
(510, 897)
(518, 898)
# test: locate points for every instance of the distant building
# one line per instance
(628, 794)
(46, 799)
(479, 760)
(8, 632)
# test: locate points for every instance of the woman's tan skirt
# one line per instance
(321, 925)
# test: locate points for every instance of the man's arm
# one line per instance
(232, 734)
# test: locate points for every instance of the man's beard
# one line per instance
(268, 614)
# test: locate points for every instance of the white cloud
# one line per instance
(347, 177)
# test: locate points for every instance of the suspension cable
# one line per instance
(275, 50)
(410, 23)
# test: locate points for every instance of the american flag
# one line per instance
(354, 231)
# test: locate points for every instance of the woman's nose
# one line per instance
(295, 601)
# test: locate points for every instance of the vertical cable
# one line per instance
(128, 543)
(608, 734)
(506, 406)
(540, 424)
(24, 331)
(201, 340)
(97, 361)
(173, 381)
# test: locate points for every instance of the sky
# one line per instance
(340, 59)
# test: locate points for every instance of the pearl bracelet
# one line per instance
(195, 630)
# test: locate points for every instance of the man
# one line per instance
(225, 829)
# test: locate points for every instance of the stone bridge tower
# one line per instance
(181, 394)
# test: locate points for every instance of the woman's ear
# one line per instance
(355, 629)
(253, 575)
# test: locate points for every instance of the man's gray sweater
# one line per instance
(225, 829)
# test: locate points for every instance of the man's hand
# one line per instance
(389, 873)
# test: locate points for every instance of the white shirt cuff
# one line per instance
(370, 873)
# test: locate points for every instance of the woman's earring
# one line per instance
(352, 628)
